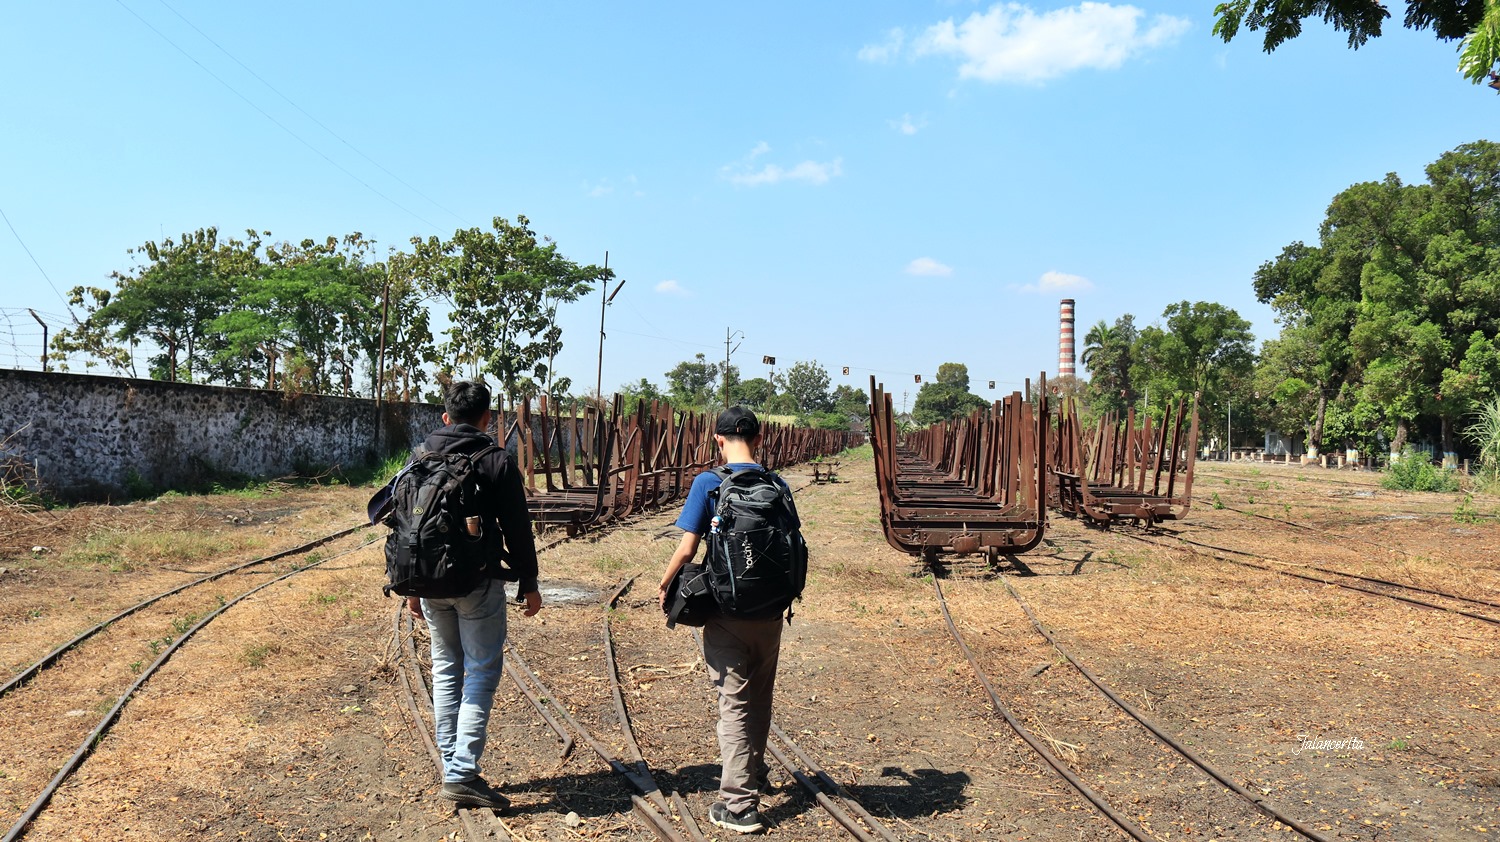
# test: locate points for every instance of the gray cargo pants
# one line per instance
(741, 657)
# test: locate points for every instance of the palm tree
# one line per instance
(1099, 336)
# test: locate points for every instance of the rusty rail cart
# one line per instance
(1122, 469)
(584, 469)
(963, 486)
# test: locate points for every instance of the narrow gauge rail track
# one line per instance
(71, 765)
(653, 808)
(1372, 585)
(1376, 585)
(1123, 822)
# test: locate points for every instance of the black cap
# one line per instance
(737, 421)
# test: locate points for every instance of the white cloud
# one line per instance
(907, 126)
(1055, 281)
(670, 288)
(885, 51)
(928, 267)
(811, 172)
(1014, 43)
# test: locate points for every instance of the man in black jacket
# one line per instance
(468, 632)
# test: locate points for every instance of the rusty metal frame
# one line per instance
(1118, 470)
(970, 485)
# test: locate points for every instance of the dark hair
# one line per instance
(466, 402)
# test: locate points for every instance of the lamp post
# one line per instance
(728, 338)
(605, 297)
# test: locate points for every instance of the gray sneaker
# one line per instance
(745, 822)
(475, 792)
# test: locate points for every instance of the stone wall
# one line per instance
(93, 437)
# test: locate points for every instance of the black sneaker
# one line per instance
(473, 793)
(746, 822)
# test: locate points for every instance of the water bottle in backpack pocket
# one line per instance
(441, 545)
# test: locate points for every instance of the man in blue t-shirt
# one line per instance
(741, 654)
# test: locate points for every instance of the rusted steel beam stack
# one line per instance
(590, 466)
(968, 485)
(1125, 469)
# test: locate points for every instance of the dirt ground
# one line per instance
(1364, 717)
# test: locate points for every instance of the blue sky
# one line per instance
(887, 186)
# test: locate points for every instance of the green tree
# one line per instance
(643, 391)
(947, 396)
(753, 393)
(1204, 347)
(1474, 20)
(691, 382)
(850, 401)
(807, 383)
(498, 284)
(170, 300)
(93, 336)
(1109, 352)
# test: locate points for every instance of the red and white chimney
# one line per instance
(1065, 366)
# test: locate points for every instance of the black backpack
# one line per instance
(756, 559)
(431, 552)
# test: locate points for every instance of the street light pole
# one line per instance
(605, 297)
(729, 337)
(1229, 432)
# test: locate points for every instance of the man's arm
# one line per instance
(686, 549)
(515, 525)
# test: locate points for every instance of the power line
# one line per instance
(267, 115)
(32, 256)
(289, 101)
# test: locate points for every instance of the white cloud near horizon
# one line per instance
(1012, 42)
(671, 288)
(1055, 281)
(927, 267)
(811, 172)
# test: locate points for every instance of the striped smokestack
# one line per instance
(1065, 367)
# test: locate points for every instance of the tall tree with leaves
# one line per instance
(498, 283)
(171, 299)
(807, 382)
(691, 382)
(1108, 354)
(947, 396)
(1475, 21)
(1203, 347)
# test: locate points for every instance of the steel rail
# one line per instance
(645, 809)
(18, 829)
(832, 786)
(410, 698)
(838, 813)
(627, 730)
(1260, 804)
(51, 657)
(1407, 599)
(541, 708)
(1121, 821)
(1373, 579)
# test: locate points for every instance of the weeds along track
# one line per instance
(1171, 792)
(42, 698)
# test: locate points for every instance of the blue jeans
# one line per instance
(468, 654)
